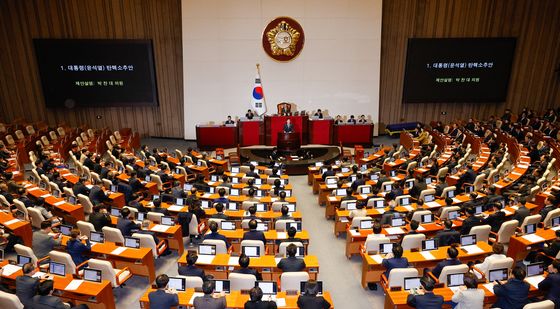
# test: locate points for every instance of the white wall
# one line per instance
(338, 68)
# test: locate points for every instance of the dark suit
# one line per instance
(393, 263)
(99, 220)
(312, 302)
(103, 172)
(80, 188)
(135, 184)
(357, 183)
(447, 262)
(248, 271)
(327, 174)
(417, 189)
(191, 271)
(162, 300)
(217, 236)
(96, 195)
(254, 235)
(553, 249)
(544, 212)
(127, 227)
(26, 288)
(551, 284)
(260, 304)
(468, 223)
(288, 128)
(512, 295)
(160, 210)
(184, 219)
(291, 264)
(47, 302)
(495, 220)
(427, 301)
(520, 214)
(448, 237)
(125, 189)
(209, 302)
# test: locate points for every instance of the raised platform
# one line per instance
(308, 155)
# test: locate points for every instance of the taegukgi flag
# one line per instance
(258, 101)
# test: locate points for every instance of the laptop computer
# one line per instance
(555, 221)
(132, 242)
(234, 192)
(451, 193)
(396, 222)
(530, 228)
(58, 269)
(166, 220)
(340, 192)
(222, 286)
(251, 251)
(429, 198)
(365, 190)
(387, 188)
(177, 283)
(267, 287)
(366, 224)
(206, 249)
(96, 237)
(386, 248)
(429, 218)
(291, 207)
(535, 269)
(71, 200)
(66, 230)
(499, 274)
(351, 205)
(262, 226)
(379, 203)
(412, 283)
(22, 259)
(455, 280)
(429, 244)
(261, 207)
(205, 204)
(297, 225)
(179, 201)
(468, 240)
(93, 275)
(452, 215)
(227, 225)
(232, 206)
(404, 201)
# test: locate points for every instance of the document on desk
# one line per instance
(277, 260)
(428, 255)
(433, 204)
(394, 230)
(281, 302)
(533, 238)
(354, 233)
(535, 280)
(160, 228)
(233, 261)
(281, 235)
(421, 228)
(507, 212)
(343, 219)
(195, 295)
(377, 258)
(472, 249)
(59, 203)
(332, 198)
(9, 269)
(46, 195)
(408, 207)
(456, 200)
(175, 208)
(73, 285)
(489, 286)
(205, 259)
(11, 221)
(118, 250)
(380, 210)
(39, 274)
(206, 195)
(33, 189)
(556, 228)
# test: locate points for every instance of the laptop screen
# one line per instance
(72, 200)
(396, 222)
(404, 201)
(222, 286)
(179, 201)
(232, 206)
(57, 269)
(410, 183)
(227, 225)
(331, 181)
(386, 248)
(56, 193)
(340, 192)
(296, 225)
(140, 216)
(351, 205)
(478, 210)
(267, 287)
(204, 204)
(555, 221)
(428, 198)
(132, 242)
(262, 226)
(452, 215)
(451, 193)
(252, 251)
(535, 269)
(388, 188)
(261, 207)
(177, 283)
(114, 188)
(23, 259)
(393, 173)
(412, 283)
(148, 178)
(169, 221)
(455, 280)
(380, 203)
(96, 237)
(468, 240)
(235, 169)
(374, 176)
(206, 249)
(115, 212)
(234, 192)
(428, 180)
(214, 178)
(469, 189)
(530, 228)
(429, 218)
(91, 274)
(365, 190)
(303, 285)
(498, 274)
(258, 181)
(235, 180)
(66, 229)
(429, 244)
(291, 207)
(366, 224)
(187, 187)
(344, 169)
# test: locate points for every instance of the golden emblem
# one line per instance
(283, 39)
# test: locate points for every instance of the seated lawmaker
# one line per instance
(551, 284)
(45, 300)
(471, 296)
(427, 298)
(310, 300)
(451, 260)
(514, 293)
(163, 298)
(244, 267)
(253, 234)
(448, 235)
(288, 126)
(498, 254)
(291, 262)
(318, 114)
(191, 269)
(397, 261)
(256, 302)
(213, 226)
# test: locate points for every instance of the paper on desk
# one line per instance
(394, 230)
(205, 259)
(281, 235)
(377, 258)
(364, 196)
(354, 233)
(455, 288)
(233, 261)
(39, 274)
(489, 286)
(472, 249)
(46, 195)
(421, 228)
(89, 186)
(507, 212)
(195, 295)
(118, 250)
(332, 198)
(11, 221)
(409, 208)
(9, 269)
(456, 200)
(535, 280)
(428, 255)
(380, 210)
(515, 207)
(433, 204)
(33, 189)
(533, 238)
(74, 285)
(160, 228)
(277, 260)
(60, 203)
(206, 195)
(498, 186)
(556, 228)
(281, 302)
(175, 208)
(343, 219)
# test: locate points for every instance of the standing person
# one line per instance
(288, 126)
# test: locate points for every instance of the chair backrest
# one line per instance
(417, 215)
(19, 135)
(45, 140)
(107, 183)
(61, 131)
(10, 140)
(445, 211)
(482, 232)
(280, 225)
(157, 180)
(192, 282)
(373, 201)
(53, 136)
(372, 243)
(545, 304)
(401, 197)
(154, 216)
(179, 153)
(412, 241)
(27, 251)
(387, 183)
(426, 192)
(63, 258)
(221, 246)
(107, 270)
(442, 172)
(452, 269)
(68, 191)
(193, 226)
(290, 281)
(240, 282)
(479, 181)
(284, 245)
(113, 234)
(397, 275)
(3, 201)
(411, 166)
(258, 243)
(497, 264)
(36, 217)
(506, 230)
(54, 186)
(246, 204)
(448, 189)
(534, 219)
(85, 227)
(86, 203)
(550, 215)
(277, 206)
(21, 207)
(147, 241)
(8, 300)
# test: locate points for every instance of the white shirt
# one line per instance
(484, 266)
(469, 299)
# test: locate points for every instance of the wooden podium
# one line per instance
(288, 142)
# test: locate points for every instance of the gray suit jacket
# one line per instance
(43, 244)
(48, 302)
(209, 302)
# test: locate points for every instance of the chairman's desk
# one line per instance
(18, 227)
(223, 264)
(372, 267)
(214, 136)
(235, 237)
(353, 134)
(95, 295)
(235, 299)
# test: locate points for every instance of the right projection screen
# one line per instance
(458, 70)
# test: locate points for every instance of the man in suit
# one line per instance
(80, 188)
(360, 181)
(418, 187)
(285, 213)
(184, 218)
(522, 211)
(288, 126)
(329, 172)
(291, 262)
(253, 234)
(310, 300)
(96, 195)
(208, 301)
(550, 203)
(158, 208)
(251, 172)
(470, 221)
(451, 260)
(43, 243)
(161, 298)
(349, 196)
(219, 212)
(426, 300)
(496, 219)
(291, 232)
(99, 218)
(125, 189)
(125, 223)
(554, 247)
(256, 302)
(468, 177)
(514, 293)
(134, 182)
(26, 285)
(441, 185)
(448, 235)
(213, 226)
(551, 284)
(222, 197)
(191, 269)
(397, 261)
(44, 298)
(244, 264)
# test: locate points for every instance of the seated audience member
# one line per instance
(396, 261)
(497, 254)
(163, 298)
(252, 213)
(251, 196)
(219, 212)
(451, 260)
(376, 228)
(448, 235)
(522, 211)
(469, 297)
(427, 299)
(329, 172)
(244, 264)
(291, 232)
(253, 234)
(551, 284)
(310, 300)
(158, 208)
(256, 302)
(126, 224)
(45, 300)
(222, 197)
(135, 202)
(229, 121)
(191, 269)
(213, 226)
(554, 247)
(43, 243)
(285, 211)
(291, 262)
(360, 211)
(26, 285)
(514, 293)
(413, 227)
(471, 221)
(338, 120)
(100, 217)
(76, 248)
(550, 204)
(44, 209)
(496, 219)
(349, 196)
(208, 301)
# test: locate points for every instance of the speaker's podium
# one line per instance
(288, 142)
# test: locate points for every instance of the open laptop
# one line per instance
(379, 203)
(429, 218)
(297, 225)
(340, 192)
(365, 190)
(404, 201)
(66, 230)
(388, 188)
(222, 286)
(96, 237)
(468, 240)
(132, 242)
(530, 228)
(396, 222)
(115, 212)
(451, 194)
(206, 249)
(455, 280)
(167, 220)
(429, 244)
(93, 275)
(235, 169)
(114, 188)
(366, 224)
(478, 209)
(469, 189)
(303, 286)
(187, 187)
(72, 200)
(179, 201)
(393, 173)
(555, 221)
(351, 205)
(344, 169)
(428, 180)
(535, 269)
(261, 207)
(258, 181)
(58, 269)
(412, 283)
(205, 204)
(452, 215)
(227, 225)
(429, 198)
(55, 193)
(291, 207)
(374, 177)
(499, 274)
(262, 226)
(331, 183)
(409, 183)
(234, 192)
(252, 251)
(22, 259)
(386, 248)
(177, 283)
(140, 216)
(269, 288)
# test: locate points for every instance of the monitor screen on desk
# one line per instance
(177, 283)
(499, 274)
(131, 242)
(340, 192)
(365, 190)
(204, 204)
(148, 178)
(452, 215)
(555, 221)
(296, 225)
(380, 203)
(72, 200)
(409, 183)
(258, 181)
(222, 286)
(167, 220)
(235, 169)
(227, 225)
(303, 286)
(140, 216)
(232, 206)
(261, 207)
(291, 207)
(234, 192)
(318, 164)
(429, 198)
(155, 197)
(96, 237)
(386, 248)
(469, 189)
(187, 186)
(66, 230)
(267, 287)
(478, 210)
(396, 222)
(393, 173)
(344, 169)
(252, 251)
(351, 205)
(260, 193)
(55, 193)
(428, 180)
(214, 178)
(235, 180)
(468, 240)
(58, 269)
(388, 188)
(429, 218)
(211, 190)
(374, 177)
(412, 283)
(115, 212)
(93, 275)
(331, 181)
(429, 244)
(535, 269)
(455, 280)
(262, 226)
(114, 188)
(404, 201)
(451, 193)
(179, 201)
(530, 228)
(366, 224)
(23, 259)
(206, 249)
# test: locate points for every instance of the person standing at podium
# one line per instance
(288, 126)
